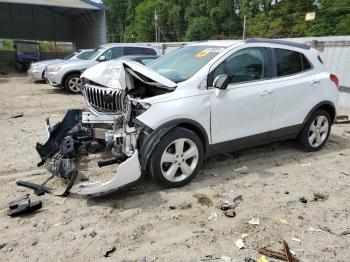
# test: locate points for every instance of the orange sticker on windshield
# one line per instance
(201, 54)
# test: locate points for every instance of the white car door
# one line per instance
(244, 109)
(296, 91)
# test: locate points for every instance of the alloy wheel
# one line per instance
(75, 84)
(318, 131)
(179, 160)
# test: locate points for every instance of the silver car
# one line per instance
(36, 70)
(67, 74)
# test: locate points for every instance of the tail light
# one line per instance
(334, 79)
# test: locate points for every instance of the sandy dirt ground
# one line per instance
(149, 223)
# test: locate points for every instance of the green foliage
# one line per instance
(191, 20)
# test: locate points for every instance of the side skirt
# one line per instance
(285, 133)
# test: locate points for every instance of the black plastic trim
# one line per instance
(285, 133)
(279, 42)
(319, 105)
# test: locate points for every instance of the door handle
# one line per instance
(266, 93)
(315, 82)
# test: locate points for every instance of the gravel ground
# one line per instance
(149, 223)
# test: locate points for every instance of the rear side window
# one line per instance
(139, 51)
(290, 62)
(148, 51)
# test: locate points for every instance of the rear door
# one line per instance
(295, 90)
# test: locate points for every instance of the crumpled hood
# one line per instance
(112, 74)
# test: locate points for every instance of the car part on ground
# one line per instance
(164, 119)
(23, 205)
(38, 189)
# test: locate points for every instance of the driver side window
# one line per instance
(113, 53)
(246, 65)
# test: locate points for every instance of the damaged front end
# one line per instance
(109, 128)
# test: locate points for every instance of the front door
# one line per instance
(242, 111)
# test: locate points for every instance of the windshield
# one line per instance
(184, 62)
(94, 54)
(71, 55)
(84, 55)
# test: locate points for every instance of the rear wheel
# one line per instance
(73, 83)
(316, 131)
(177, 158)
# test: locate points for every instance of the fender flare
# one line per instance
(320, 105)
(154, 138)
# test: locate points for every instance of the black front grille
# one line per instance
(105, 99)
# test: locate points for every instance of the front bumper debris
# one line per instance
(128, 172)
(80, 134)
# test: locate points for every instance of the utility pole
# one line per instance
(244, 29)
(155, 25)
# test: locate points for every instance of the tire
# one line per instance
(316, 131)
(73, 83)
(168, 164)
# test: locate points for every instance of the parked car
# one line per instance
(67, 74)
(142, 59)
(37, 70)
(26, 53)
(199, 100)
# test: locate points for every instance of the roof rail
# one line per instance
(280, 42)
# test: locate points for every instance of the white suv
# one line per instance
(204, 98)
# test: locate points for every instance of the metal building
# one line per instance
(81, 22)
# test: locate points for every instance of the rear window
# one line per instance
(290, 62)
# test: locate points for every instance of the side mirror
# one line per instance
(101, 58)
(221, 82)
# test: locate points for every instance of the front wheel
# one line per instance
(177, 158)
(73, 83)
(316, 131)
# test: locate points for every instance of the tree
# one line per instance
(200, 28)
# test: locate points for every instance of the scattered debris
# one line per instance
(254, 221)
(286, 255)
(286, 192)
(225, 258)
(3, 245)
(287, 252)
(93, 234)
(237, 200)
(248, 259)
(262, 259)
(172, 207)
(59, 224)
(275, 254)
(306, 165)
(320, 196)
(342, 119)
(303, 200)
(345, 233)
(296, 239)
(35, 242)
(109, 250)
(204, 200)
(284, 221)
(23, 205)
(184, 206)
(17, 115)
(230, 213)
(240, 244)
(213, 216)
(345, 174)
(241, 170)
(312, 229)
(38, 189)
